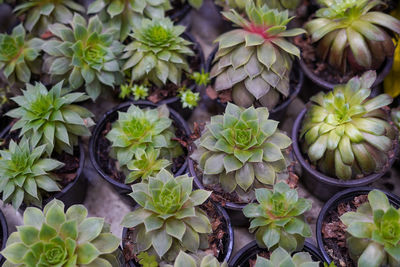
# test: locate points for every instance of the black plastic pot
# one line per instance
(341, 197)
(279, 111)
(243, 256)
(179, 15)
(4, 235)
(74, 192)
(228, 243)
(112, 115)
(320, 185)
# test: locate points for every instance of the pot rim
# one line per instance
(336, 199)
(327, 179)
(103, 120)
(181, 14)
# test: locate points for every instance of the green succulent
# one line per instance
(345, 133)
(188, 98)
(185, 260)
(374, 232)
(54, 238)
(332, 264)
(348, 32)
(140, 92)
(255, 60)
(24, 173)
(86, 54)
(51, 118)
(396, 117)
(42, 13)
(147, 260)
(242, 150)
(169, 218)
(240, 5)
(126, 91)
(281, 258)
(125, 14)
(18, 54)
(201, 78)
(157, 53)
(278, 218)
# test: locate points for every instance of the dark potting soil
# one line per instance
(216, 239)
(334, 232)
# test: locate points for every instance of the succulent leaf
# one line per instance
(240, 5)
(280, 258)
(186, 260)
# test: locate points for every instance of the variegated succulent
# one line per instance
(169, 218)
(348, 32)
(242, 150)
(19, 55)
(281, 258)
(255, 61)
(51, 118)
(86, 54)
(53, 237)
(157, 53)
(346, 133)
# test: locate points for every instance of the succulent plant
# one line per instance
(86, 54)
(281, 258)
(255, 61)
(125, 14)
(396, 117)
(242, 150)
(18, 54)
(240, 5)
(146, 260)
(140, 92)
(25, 173)
(40, 14)
(54, 238)
(188, 98)
(347, 134)
(348, 32)
(201, 78)
(169, 218)
(51, 118)
(185, 260)
(141, 129)
(157, 53)
(374, 232)
(278, 218)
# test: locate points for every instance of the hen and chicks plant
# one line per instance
(240, 5)
(281, 258)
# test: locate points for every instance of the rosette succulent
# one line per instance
(86, 54)
(42, 13)
(51, 117)
(347, 134)
(142, 129)
(374, 232)
(348, 32)
(53, 237)
(24, 173)
(281, 258)
(185, 260)
(242, 150)
(157, 53)
(240, 5)
(125, 14)
(169, 218)
(255, 61)
(278, 218)
(18, 55)
(189, 99)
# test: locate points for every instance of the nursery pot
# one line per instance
(251, 250)
(111, 116)
(321, 185)
(4, 235)
(227, 242)
(179, 15)
(344, 196)
(278, 112)
(74, 192)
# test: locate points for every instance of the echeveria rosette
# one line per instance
(348, 32)
(278, 218)
(53, 237)
(186, 260)
(125, 14)
(138, 130)
(169, 218)
(84, 54)
(347, 134)
(242, 150)
(255, 60)
(25, 174)
(157, 53)
(18, 55)
(51, 117)
(374, 232)
(281, 258)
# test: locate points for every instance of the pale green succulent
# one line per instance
(201, 78)
(185, 260)
(278, 218)
(140, 92)
(85, 54)
(281, 258)
(18, 55)
(189, 99)
(240, 5)
(396, 117)
(53, 237)
(169, 218)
